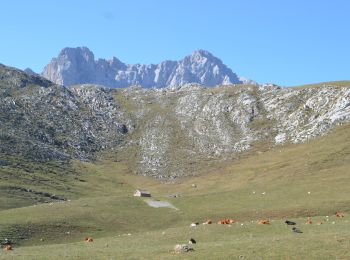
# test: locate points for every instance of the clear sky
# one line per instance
(288, 42)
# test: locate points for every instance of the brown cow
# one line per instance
(8, 248)
(319, 222)
(264, 222)
(89, 239)
(339, 214)
(308, 221)
(231, 221)
(208, 222)
(226, 221)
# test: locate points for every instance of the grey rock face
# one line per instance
(78, 66)
(43, 121)
(302, 114)
(246, 81)
(183, 126)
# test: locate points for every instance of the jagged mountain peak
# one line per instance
(84, 51)
(78, 66)
(114, 61)
(202, 56)
(203, 53)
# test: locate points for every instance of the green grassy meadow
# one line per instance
(286, 182)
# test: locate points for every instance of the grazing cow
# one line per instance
(208, 222)
(8, 248)
(319, 222)
(339, 214)
(192, 241)
(264, 222)
(89, 239)
(194, 224)
(290, 223)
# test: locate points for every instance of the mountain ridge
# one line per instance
(78, 66)
(164, 133)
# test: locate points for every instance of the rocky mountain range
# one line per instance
(78, 66)
(165, 133)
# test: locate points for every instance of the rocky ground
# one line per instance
(179, 127)
(44, 121)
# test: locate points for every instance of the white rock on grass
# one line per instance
(182, 248)
(280, 138)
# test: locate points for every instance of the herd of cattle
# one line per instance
(8, 245)
(179, 248)
(262, 221)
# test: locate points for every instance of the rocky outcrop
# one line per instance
(30, 72)
(246, 81)
(302, 114)
(179, 128)
(78, 66)
(43, 121)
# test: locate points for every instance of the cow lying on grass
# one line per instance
(264, 222)
(339, 214)
(89, 239)
(8, 248)
(308, 221)
(226, 221)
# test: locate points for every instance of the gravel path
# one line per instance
(160, 204)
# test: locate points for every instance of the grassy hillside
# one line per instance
(298, 181)
(341, 83)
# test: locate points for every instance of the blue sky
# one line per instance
(287, 42)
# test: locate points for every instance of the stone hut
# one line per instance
(142, 193)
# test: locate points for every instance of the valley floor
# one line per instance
(288, 182)
(245, 240)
